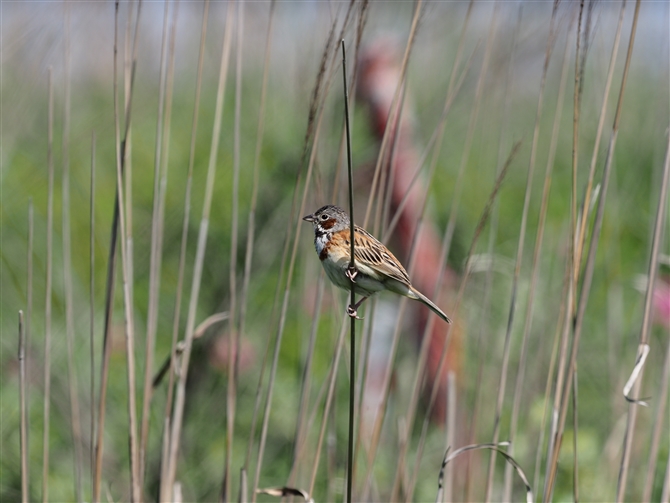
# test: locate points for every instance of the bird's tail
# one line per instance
(421, 297)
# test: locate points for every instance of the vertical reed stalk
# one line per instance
(91, 308)
(332, 374)
(457, 305)
(75, 423)
(381, 410)
(126, 266)
(488, 281)
(49, 286)
(250, 239)
(452, 90)
(590, 265)
(234, 336)
(450, 435)
(566, 321)
(180, 398)
(166, 81)
(111, 264)
(665, 495)
(596, 145)
(535, 271)
(282, 318)
(391, 357)
(656, 243)
(251, 223)
(352, 271)
(129, 325)
(165, 493)
(251, 231)
(519, 253)
(106, 352)
(517, 268)
(580, 58)
(576, 108)
(23, 429)
(575, 429)
(300, 433)
(25, 477)
(659, 426)
(558, 339)
(128, 148)
(394, 109)
(313, 131)
(155, 254)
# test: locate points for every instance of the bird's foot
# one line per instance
(351, 273)
(351, 311)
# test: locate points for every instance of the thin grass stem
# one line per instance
(251, 229)
(314, 109)
(23, 429)
(657, 431)
(519, 256)
(575, 429)
(488, 282)
(156, 241)
(180, 396)
(301, 448)
(596, 145)
(459, 299)
(452, 90)
(251, 223)
(165, 493)
(128, 145)
(234, 334)
(300, 430)
(314, 126)
(576, 108)
(558, 339)
(450, 434)
(75, 423)
(49, 287)
(91, 310)
(589, 267)
(332, 374)
(111, 264)
(381, 410)
(126, 266)
(394, 109)
(665, 494)
(535, 272)
(352, 270)
(25, 475)
(656, 243)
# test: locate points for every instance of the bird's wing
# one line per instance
(373, 254)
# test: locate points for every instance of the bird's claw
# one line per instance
(351, 311)
(351, 273)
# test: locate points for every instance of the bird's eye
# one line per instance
(324, 217)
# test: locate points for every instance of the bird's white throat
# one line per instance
(320, 242)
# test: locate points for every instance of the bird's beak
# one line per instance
(308, 218)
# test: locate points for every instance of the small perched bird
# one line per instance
(376, 267)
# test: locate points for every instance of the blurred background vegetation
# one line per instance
(34, 38)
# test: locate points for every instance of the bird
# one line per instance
(375, 267)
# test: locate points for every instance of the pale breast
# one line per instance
(335, 256)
